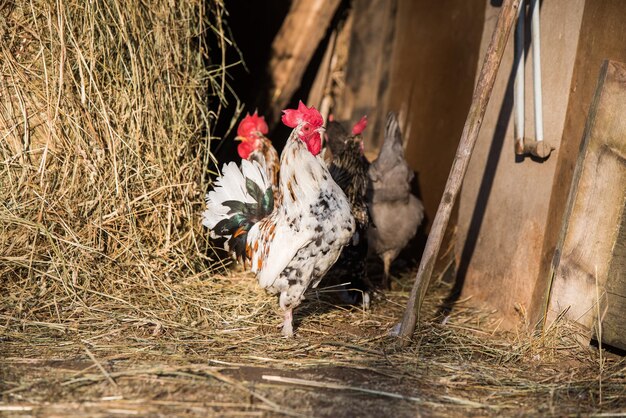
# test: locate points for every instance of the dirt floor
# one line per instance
(98, 358)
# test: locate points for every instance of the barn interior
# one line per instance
(118, 117)
(510, 205)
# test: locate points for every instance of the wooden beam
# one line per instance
(482, 93)
(294, 46)
(613, 324)
(368, 67)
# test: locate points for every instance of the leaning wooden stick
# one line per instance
(482, 93)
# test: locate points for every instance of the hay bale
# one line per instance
(106, 132)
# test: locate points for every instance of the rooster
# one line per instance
(255, 146)
(349, 170)
(395, 212)
(293, 243)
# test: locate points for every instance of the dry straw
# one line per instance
(109, 301)
(106, 114)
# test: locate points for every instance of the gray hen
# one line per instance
(395, 212)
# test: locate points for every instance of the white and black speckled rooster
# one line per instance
(293, 245)
(348, 168)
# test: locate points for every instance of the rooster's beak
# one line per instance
(239, 138)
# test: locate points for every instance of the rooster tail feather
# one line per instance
(241, 198)
(392, 129)
(392, 151)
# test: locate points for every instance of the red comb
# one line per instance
(252, 124)
(293, 117)
(360, 126)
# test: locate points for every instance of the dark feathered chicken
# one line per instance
(349, 170)
(395, 212)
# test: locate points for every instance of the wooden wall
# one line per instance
(505, 201)
(432, 79)
(422, 64)
(511, 210)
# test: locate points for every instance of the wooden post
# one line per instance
(368, 67)
(482, 93)
(294, 46)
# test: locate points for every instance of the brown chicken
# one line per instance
(255, 146)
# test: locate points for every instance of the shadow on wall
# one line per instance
(495, 150)
(435, 58)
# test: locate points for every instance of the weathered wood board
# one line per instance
(589, 260)
(294, 46)
(368, 66)
(614, 322)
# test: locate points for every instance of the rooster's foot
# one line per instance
(288, 323)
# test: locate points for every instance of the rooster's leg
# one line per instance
(387, 266)
(287, 324)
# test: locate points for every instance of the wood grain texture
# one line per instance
(294, 46)
(614, 323)
(504, 200)
(597, 42)
(594, 213)
(368, 67)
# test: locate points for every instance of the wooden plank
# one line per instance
(368, 67)
(319, 94)
(614, 322)
(616, 282)
(595, 209)
(596, 43)
(294, 46)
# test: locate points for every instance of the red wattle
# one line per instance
(314, 143)
(244, 149)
